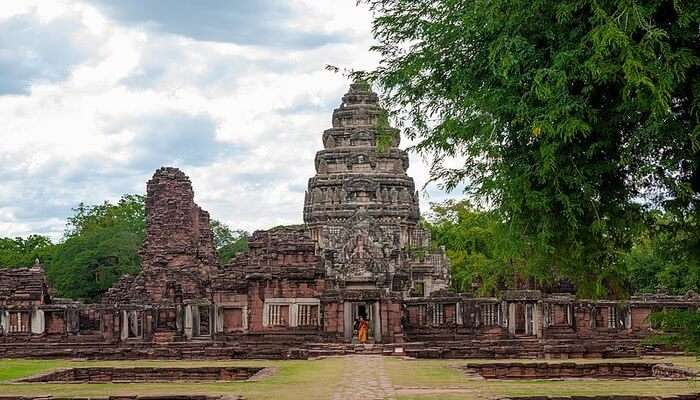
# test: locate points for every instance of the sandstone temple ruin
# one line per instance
(361, 252)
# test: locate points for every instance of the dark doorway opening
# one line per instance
(520, 319)
(362, 311)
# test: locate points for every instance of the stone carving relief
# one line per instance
(362, 248)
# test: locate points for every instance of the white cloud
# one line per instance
(104, 93)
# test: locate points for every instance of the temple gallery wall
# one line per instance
(300, 290)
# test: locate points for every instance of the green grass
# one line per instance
(293, 380)
(14, 369)
(297, 380)
(414, 379)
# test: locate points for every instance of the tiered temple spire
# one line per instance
(353, 172)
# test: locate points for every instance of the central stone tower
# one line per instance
(362, 208)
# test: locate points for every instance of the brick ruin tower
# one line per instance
(178, 256)
(362, 207)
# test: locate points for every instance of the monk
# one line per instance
(362, 330)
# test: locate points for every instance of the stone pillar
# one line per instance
(293, 313)
(537, 316)
(107, 317)
(180, 319)
(188, 321)
(377, 322)
(4, 322)
(628, 318)
(219, 319)
(212, 319)
(347, 321)
(458, 311)
(244, 317)
(124, 334)
(511, 318)
(37, 322)
(73, 320)
(147, 325)
(195, 320)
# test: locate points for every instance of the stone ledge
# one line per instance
(569, 370)
(144, 374)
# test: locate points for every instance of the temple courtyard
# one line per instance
(348, 377)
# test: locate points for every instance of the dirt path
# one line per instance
(364, 378)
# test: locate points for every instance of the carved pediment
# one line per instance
(360, 185)
(361, 158)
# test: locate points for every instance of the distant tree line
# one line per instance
(665, 256)
(99, 245)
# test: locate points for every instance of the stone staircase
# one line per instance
(316, 350)
(266, 347)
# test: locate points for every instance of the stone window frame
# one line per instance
(204, 309)
(490, 314)
(275, 315)
(421, 314)
(438, 314)
(14, 329)
(161, 324)
(93, 316)
(50, 315)
(308, 315)
(549, 314)
(126, 324)
(293, 304)
(334, 231)
(221, 309)
(612, 317)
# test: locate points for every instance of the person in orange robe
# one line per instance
(362, 330)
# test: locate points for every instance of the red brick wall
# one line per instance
(639, 318)
(55, 323)
(258, 292)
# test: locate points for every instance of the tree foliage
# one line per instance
(129, 212)
(569, 116)
(471, 240)
(228, 242)
(21, 252)
(101, 244)
(665, 257)
(678, 328)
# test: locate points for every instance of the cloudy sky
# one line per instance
(95, 95)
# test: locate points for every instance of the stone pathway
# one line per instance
(364, 378)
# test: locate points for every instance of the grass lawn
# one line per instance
(442, 379)
(293, 380)
(317, 379)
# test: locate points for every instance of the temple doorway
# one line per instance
(367, 310)
(523, 319)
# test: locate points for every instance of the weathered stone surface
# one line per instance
(606, 370)
(178, 256)
(23, 286)
(363, 209)
(145, 374)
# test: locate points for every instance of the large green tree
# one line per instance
(101, 244)
(470, 238)
(24, 252)
(666, 256)
(570, 117)
(228, 242)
